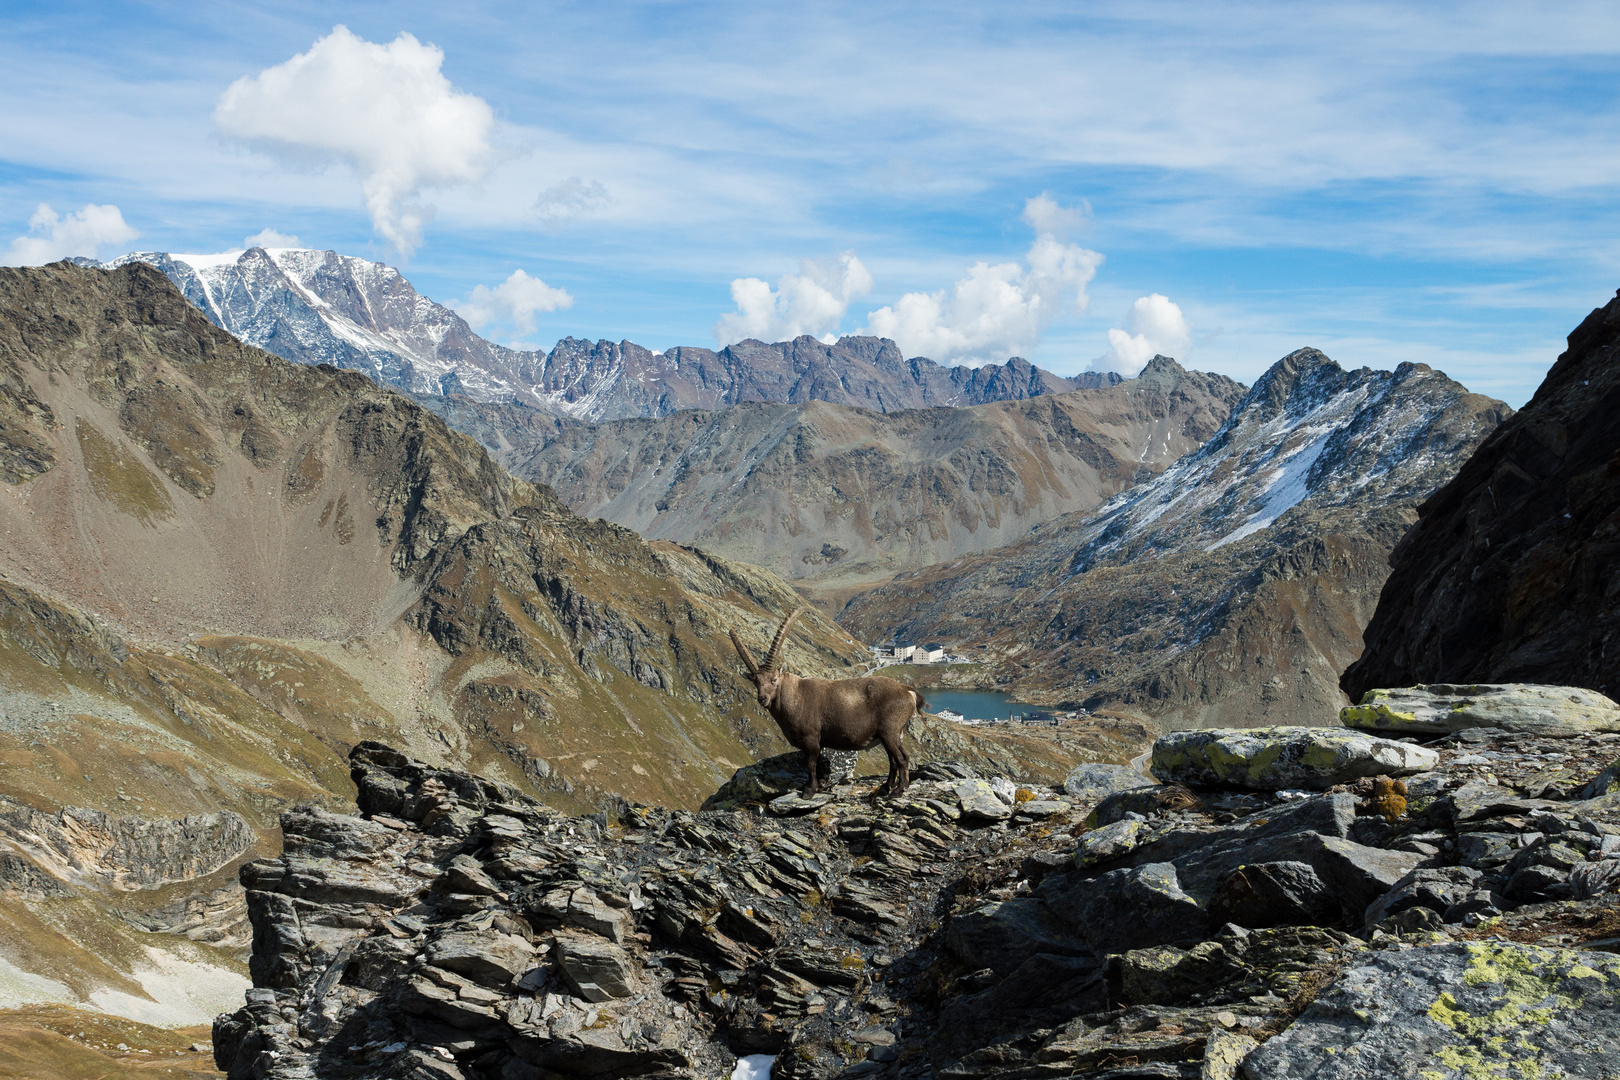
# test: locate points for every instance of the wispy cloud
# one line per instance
(269, 238)
(1252, 152)
(85, 232)
(573, 198)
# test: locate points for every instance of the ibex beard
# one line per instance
(835, 714)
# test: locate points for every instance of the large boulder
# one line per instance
(1491, 1008)
(1287, 865)
(489, 959)
(980, 802)
(1277, 758)
(1439, 708)
(764, 781)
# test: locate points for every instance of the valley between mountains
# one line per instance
(483, 596)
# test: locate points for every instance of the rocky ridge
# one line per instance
(316, 307)
(1233, 588)
(840, 496)
(1508, 573)
(976, 928)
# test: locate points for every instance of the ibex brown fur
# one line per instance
(835, 714)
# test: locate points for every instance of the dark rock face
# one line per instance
(462, 930)
(1508, 574)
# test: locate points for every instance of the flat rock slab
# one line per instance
(1278, 758)
(1455, 1012)
(980, 803)
(489, 959)
(791, 805)
(1091, 783)
(1439, 708)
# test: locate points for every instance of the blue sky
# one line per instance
(1433, 182)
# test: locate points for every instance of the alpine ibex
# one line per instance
(835, 714)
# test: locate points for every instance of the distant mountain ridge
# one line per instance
(840, 497)
(315, 307)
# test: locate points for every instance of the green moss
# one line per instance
(1375, 716)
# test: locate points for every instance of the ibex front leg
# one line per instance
(812, 756)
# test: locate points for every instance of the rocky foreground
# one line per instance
(1291, 902)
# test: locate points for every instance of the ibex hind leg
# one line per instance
(899, 765)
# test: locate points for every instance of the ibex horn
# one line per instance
(742, 650)
(781, 634)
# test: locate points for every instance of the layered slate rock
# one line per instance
(1440, 709)
(1506, 575)
(460, 930)
(1275, 759)
(783, 774)
(1456, 1010)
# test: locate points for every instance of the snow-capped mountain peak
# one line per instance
(318, 307)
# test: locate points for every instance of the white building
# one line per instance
(895, 651)
(928, 654)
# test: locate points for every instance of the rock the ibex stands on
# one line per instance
(835, 714)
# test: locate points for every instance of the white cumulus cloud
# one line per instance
(53, 236)
(514, 302)
(385, 110)
(1002, 309)
(813, 301)
(1154, 325)
(269, 238)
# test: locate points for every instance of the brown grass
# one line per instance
(57, 1042)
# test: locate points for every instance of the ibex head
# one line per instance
(765, 676)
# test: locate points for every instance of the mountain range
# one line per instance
(316, 307)
(1232, 589)
(835, 497)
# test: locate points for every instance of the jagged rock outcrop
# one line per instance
(1506, 577)
(319, 307)
(461, 930)
(836, 494)
(1231, 590)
